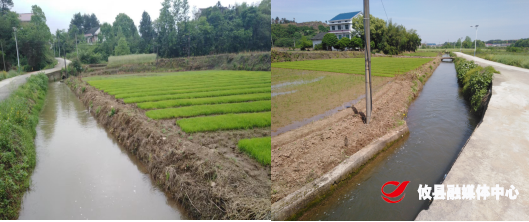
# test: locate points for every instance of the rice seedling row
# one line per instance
(197, 95)
(178, 91)
(191, 111)
(258, 148)
(381, 66)
(203, 101)
(154, 90)
(225, 122)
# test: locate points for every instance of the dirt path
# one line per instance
(304, 154)
(7, 86)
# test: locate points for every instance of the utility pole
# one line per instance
(3, 59)
(65, 68)
(368, 62)
(476, 40)
(188, 46)
(16, 42)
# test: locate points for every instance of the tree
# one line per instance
(329, 40)
(94, 22)
(343, 43)
(33, 41)
(122, 48)
(304, 43)
(467, 43)
(146, 31)
(356, 42)
(78, 22)
(6, 5)
(377, 29)
(322, 28)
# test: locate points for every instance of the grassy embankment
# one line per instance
(302, 93)
(519, 59)
(116, 61)
(201, 101)
(423, 54)
(18, 119)
(476, 82)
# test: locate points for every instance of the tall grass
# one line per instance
(513, 60)
(225, 122)
(258, 148)
(190, 111)
(18, 119)
(114, 61)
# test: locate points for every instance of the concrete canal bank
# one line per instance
(496, 153)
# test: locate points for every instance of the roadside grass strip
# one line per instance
(18, 120)
(191, 111)
(381, 66)
(258, 148)
(197, 95)
(158, 92)
(225, 122)
(203, 101)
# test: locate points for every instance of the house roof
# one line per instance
(92, 31)
(347, 15)
(319, 36)
(25, 17)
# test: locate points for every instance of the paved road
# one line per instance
(9, 85)
(496, 153)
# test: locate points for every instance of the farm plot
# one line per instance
(381, 66)
(207, 104)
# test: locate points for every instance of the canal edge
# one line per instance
(293, 205)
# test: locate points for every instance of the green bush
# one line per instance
(318, 47)
(284, 42)
(343, 43)
(476, 81)
(18, 119)
(329, 40)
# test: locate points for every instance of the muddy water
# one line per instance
(440, 123)
(82, 173)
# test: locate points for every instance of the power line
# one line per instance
(384, 10)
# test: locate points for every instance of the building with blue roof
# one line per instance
(341, 25)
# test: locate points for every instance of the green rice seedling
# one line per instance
(258, 148)
(190, 111)
(381, 66)
(203, 101)
(225, 122)
(197, 95)
(178, 91)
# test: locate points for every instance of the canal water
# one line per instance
(82, 172)
(440, 123)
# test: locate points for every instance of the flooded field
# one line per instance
(82, 173)
(440, 123)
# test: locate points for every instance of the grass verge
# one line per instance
(18, 119)
(115, 61)
(258, 148)
(225, 122)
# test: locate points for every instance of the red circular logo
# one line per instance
(400, 189)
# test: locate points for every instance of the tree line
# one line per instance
(32, 37)
(213, 30)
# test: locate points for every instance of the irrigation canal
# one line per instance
(440, 123)
(82, 173)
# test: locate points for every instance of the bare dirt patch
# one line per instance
(205, 172)
(304, 154)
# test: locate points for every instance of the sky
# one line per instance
(435, 21)
(60, 12)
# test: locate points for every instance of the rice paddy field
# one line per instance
(199, 101)
(381, 66)
(423, 54)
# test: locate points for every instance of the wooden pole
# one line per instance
(368, 61)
